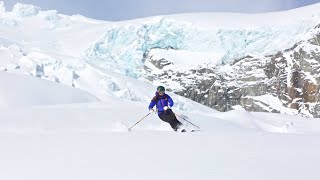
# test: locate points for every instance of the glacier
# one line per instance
(125, 44)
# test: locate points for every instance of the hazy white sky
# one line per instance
(130, 9)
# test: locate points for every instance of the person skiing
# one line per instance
(163, 103)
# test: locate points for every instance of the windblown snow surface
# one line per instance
(75, 127)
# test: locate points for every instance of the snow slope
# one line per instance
(79, 131)
(17, 90)
(91, 141)
(162, 155)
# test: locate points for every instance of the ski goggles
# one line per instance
(161, 92)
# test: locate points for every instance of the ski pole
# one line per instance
(187, 121)
(139, 121)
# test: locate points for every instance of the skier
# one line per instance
(163, 103)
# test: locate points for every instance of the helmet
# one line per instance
(161, 88)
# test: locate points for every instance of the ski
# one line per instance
(193, 130)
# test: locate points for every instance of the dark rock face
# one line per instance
(291, 78)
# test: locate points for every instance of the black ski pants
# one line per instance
(169, 117)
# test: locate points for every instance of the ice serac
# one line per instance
(25, 10)
(2, 8)
(123, 47)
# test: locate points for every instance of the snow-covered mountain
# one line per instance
(71, 86)
(219, 60)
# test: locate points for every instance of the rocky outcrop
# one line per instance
(290, 77)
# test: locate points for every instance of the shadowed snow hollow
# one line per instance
(19, 90)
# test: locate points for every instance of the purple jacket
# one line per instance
(161, 102)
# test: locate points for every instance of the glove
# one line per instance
(151, 110)
(166, 108)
